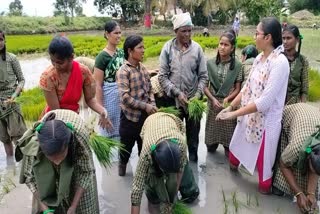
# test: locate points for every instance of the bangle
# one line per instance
(311, 193)
(48, 211)
(299, 193)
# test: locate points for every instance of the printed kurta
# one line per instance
(270, 104)
(298, 123)
(84, 171)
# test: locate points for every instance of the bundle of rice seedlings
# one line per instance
(181, 208)
(170, 110)
(102, 147)
(196, 107)
(225, 105)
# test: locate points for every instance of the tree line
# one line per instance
(203, 11)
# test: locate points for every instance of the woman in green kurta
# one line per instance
(225, 79)
(58, 166)
(248, 55)
(298, 84)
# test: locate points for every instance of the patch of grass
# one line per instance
(32, 103)
(314, 85)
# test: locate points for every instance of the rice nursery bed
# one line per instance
(91, 45)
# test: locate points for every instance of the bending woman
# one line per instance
(255, 139)
(298, 167)
(106, 65)
(58, 166)
(64, 81)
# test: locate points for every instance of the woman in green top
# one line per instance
(298, 84)
(225, 79)
(57, 165)
(248, 55)
(107, 63)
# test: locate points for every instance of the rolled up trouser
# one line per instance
(189, 189)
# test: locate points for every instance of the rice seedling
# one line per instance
(196, 107)
(170, 110)
(102, 147)
(225, 203)
(32, 104)
(235, 201)
(257, 200)
(181, 208)
(248, 199)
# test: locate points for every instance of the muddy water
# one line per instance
(211, 172)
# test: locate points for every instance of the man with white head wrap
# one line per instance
(183, 74)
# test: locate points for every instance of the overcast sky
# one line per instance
(45, 7)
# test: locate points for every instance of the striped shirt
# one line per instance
(134, 90)
(157, 127)
(11, 76)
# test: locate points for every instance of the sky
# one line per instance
(45, 7)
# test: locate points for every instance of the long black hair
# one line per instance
(271, 25)
(4, 50)
(231, 35)
(130, 43)
(296, 33)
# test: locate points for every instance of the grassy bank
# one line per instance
(40, 25)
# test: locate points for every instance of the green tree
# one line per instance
(257, 9)
(296, 5)
(15, 8)
(68, 8)
(129, 9)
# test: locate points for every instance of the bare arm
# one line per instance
(234, 93)
(52, 99)
(76, 199)
(289, 176)
(98, 75)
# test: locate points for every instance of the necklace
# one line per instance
(111, 49)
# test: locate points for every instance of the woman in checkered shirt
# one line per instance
(298, 163)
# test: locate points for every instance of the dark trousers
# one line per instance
(129, 134)
(192, 127)
(192, 131)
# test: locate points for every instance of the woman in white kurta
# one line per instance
(255, 139)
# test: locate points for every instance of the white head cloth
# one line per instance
(181, 20)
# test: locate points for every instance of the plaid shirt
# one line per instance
(157, 127)
(84, 171)
(12, 73)
(298, 123)
(134, 90)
